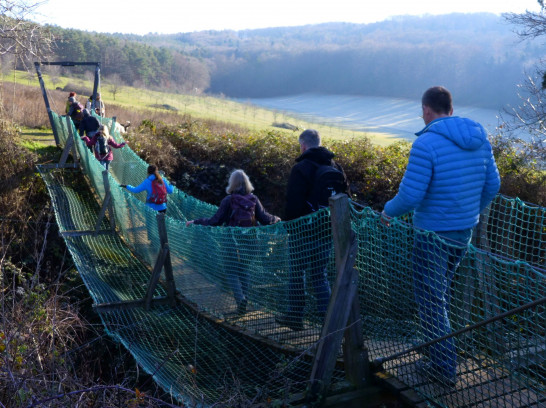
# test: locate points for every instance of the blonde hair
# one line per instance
(105, 132)
(239, 183)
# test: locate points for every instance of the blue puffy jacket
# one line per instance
(451, 176)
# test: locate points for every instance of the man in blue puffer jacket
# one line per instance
(450, 178)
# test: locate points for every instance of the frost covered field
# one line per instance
(397, 117)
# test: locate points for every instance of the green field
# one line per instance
(199, 106)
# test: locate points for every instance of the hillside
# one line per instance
(477, 56)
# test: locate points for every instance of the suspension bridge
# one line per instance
(161, 289)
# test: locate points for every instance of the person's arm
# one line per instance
(90, 142)
(263, 216)
(492, 183)
(115, 145)
(414, 185)
(221, 217)
(141, 187)
(296, 194)
(168, 186)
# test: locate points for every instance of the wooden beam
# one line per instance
(341, 303)
(72, 233)
(129, 304)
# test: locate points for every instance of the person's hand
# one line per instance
(123, 185)
(188, 223)
(385, 219)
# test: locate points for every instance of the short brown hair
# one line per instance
(438, 99)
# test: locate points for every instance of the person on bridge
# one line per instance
(75, 111)
(96, 106)
(89, 125)
(102, 142)
(156, 188)
(450, 179)
(309, 241)
(68, 103)
(240, 208)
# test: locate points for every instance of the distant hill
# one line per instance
(477, 56)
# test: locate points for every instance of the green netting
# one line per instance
(499, 364)
(286, 271)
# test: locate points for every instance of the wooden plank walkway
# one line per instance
(478, 384)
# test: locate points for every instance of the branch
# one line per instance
(534, 24)
(96, 389)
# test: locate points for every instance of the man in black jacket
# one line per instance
(309, 240)
(89, 125)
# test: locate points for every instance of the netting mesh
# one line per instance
(285, 272)
(408, 298)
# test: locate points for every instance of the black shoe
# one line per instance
(290, 322)
(241, 308)
(427, 370)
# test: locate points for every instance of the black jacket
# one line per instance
(88, 124)
(301, 178)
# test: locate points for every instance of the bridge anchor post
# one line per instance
(343, 315)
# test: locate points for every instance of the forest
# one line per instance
(477, 56)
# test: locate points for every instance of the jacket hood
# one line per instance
(319, 154)
(465, 133)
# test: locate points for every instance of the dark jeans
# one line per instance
(434, 264)
(309, 255)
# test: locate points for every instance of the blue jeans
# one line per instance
(309, 255)
(238, 257)
(105, 163)
(434, 264)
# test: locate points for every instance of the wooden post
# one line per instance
(106, 204)
(46, 100)
(163, 238)
(163, 260)
(343, 306)
(70, 144)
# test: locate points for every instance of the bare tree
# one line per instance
(18, 35)
(532, 24)
(530, 114)
(115, 83)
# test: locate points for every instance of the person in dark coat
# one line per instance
(237, 257)
(75, 111)
(89, 125)
(309, 246)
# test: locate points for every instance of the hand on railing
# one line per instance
(385, 219)
(188, 223)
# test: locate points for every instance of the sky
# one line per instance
(182, 16)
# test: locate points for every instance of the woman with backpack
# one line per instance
(240, 208)
(102, 144)
(156, 188)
